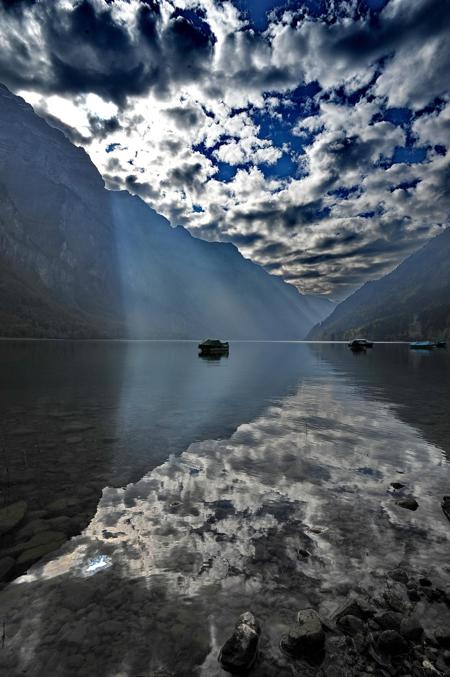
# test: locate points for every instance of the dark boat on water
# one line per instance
(359, 345)
(422, 345)
(213, 348)
(441, 344)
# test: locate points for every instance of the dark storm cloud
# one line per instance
(288, 216)
(101, 128)
(141, 189)
(186, 175)
(184, 117)
(364, 42)
(89, 51)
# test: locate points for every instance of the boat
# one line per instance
(213, 347)
(360, 344)
(422, 345)
(357, 346)
(441, 344)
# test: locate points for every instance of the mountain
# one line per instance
(412, 302)
(78, 260)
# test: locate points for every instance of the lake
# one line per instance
(167, 494)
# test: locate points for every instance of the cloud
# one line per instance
(314, 138)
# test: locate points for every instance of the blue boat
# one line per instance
(422, 345)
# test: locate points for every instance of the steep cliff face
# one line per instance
(103, 263)
(412, 302)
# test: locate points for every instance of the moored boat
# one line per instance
(422, 345)
(441, 344)
(214, 347)
(360, 344)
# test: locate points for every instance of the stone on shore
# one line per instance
(306, 636)
(11, 516)
(239, 652)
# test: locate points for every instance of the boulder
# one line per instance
(408, 503)
(11, 516)
(239, 652)
(306, 636)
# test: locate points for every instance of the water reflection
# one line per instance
(417, 383)
(295, 508)
(78, 416)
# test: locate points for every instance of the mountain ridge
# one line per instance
(105, 264)
(411, 302)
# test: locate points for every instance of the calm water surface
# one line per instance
(205, 488)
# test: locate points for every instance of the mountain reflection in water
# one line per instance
(294, 509)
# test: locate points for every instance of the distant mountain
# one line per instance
(412, 302)
(77, 260)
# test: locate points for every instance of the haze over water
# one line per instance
(205, 488)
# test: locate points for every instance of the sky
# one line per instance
(313, 134)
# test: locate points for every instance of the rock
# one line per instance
(425, 582)
(6, 564)
(408, 503)
(353, 607)
(351, 625)
(399, 575)
(239, 652)
(306, 636)
(392, 643)
(397, 485)
(442, 636)
(388, 620)
(11, 516)
(445, 505)
(411, 629)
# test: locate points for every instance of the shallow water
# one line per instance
(260, 482)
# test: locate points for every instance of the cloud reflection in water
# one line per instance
(295, 508)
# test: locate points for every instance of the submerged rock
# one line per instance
(239, 652)
(11, 516)
(408, 503)
(397, 485)
(306, 636)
